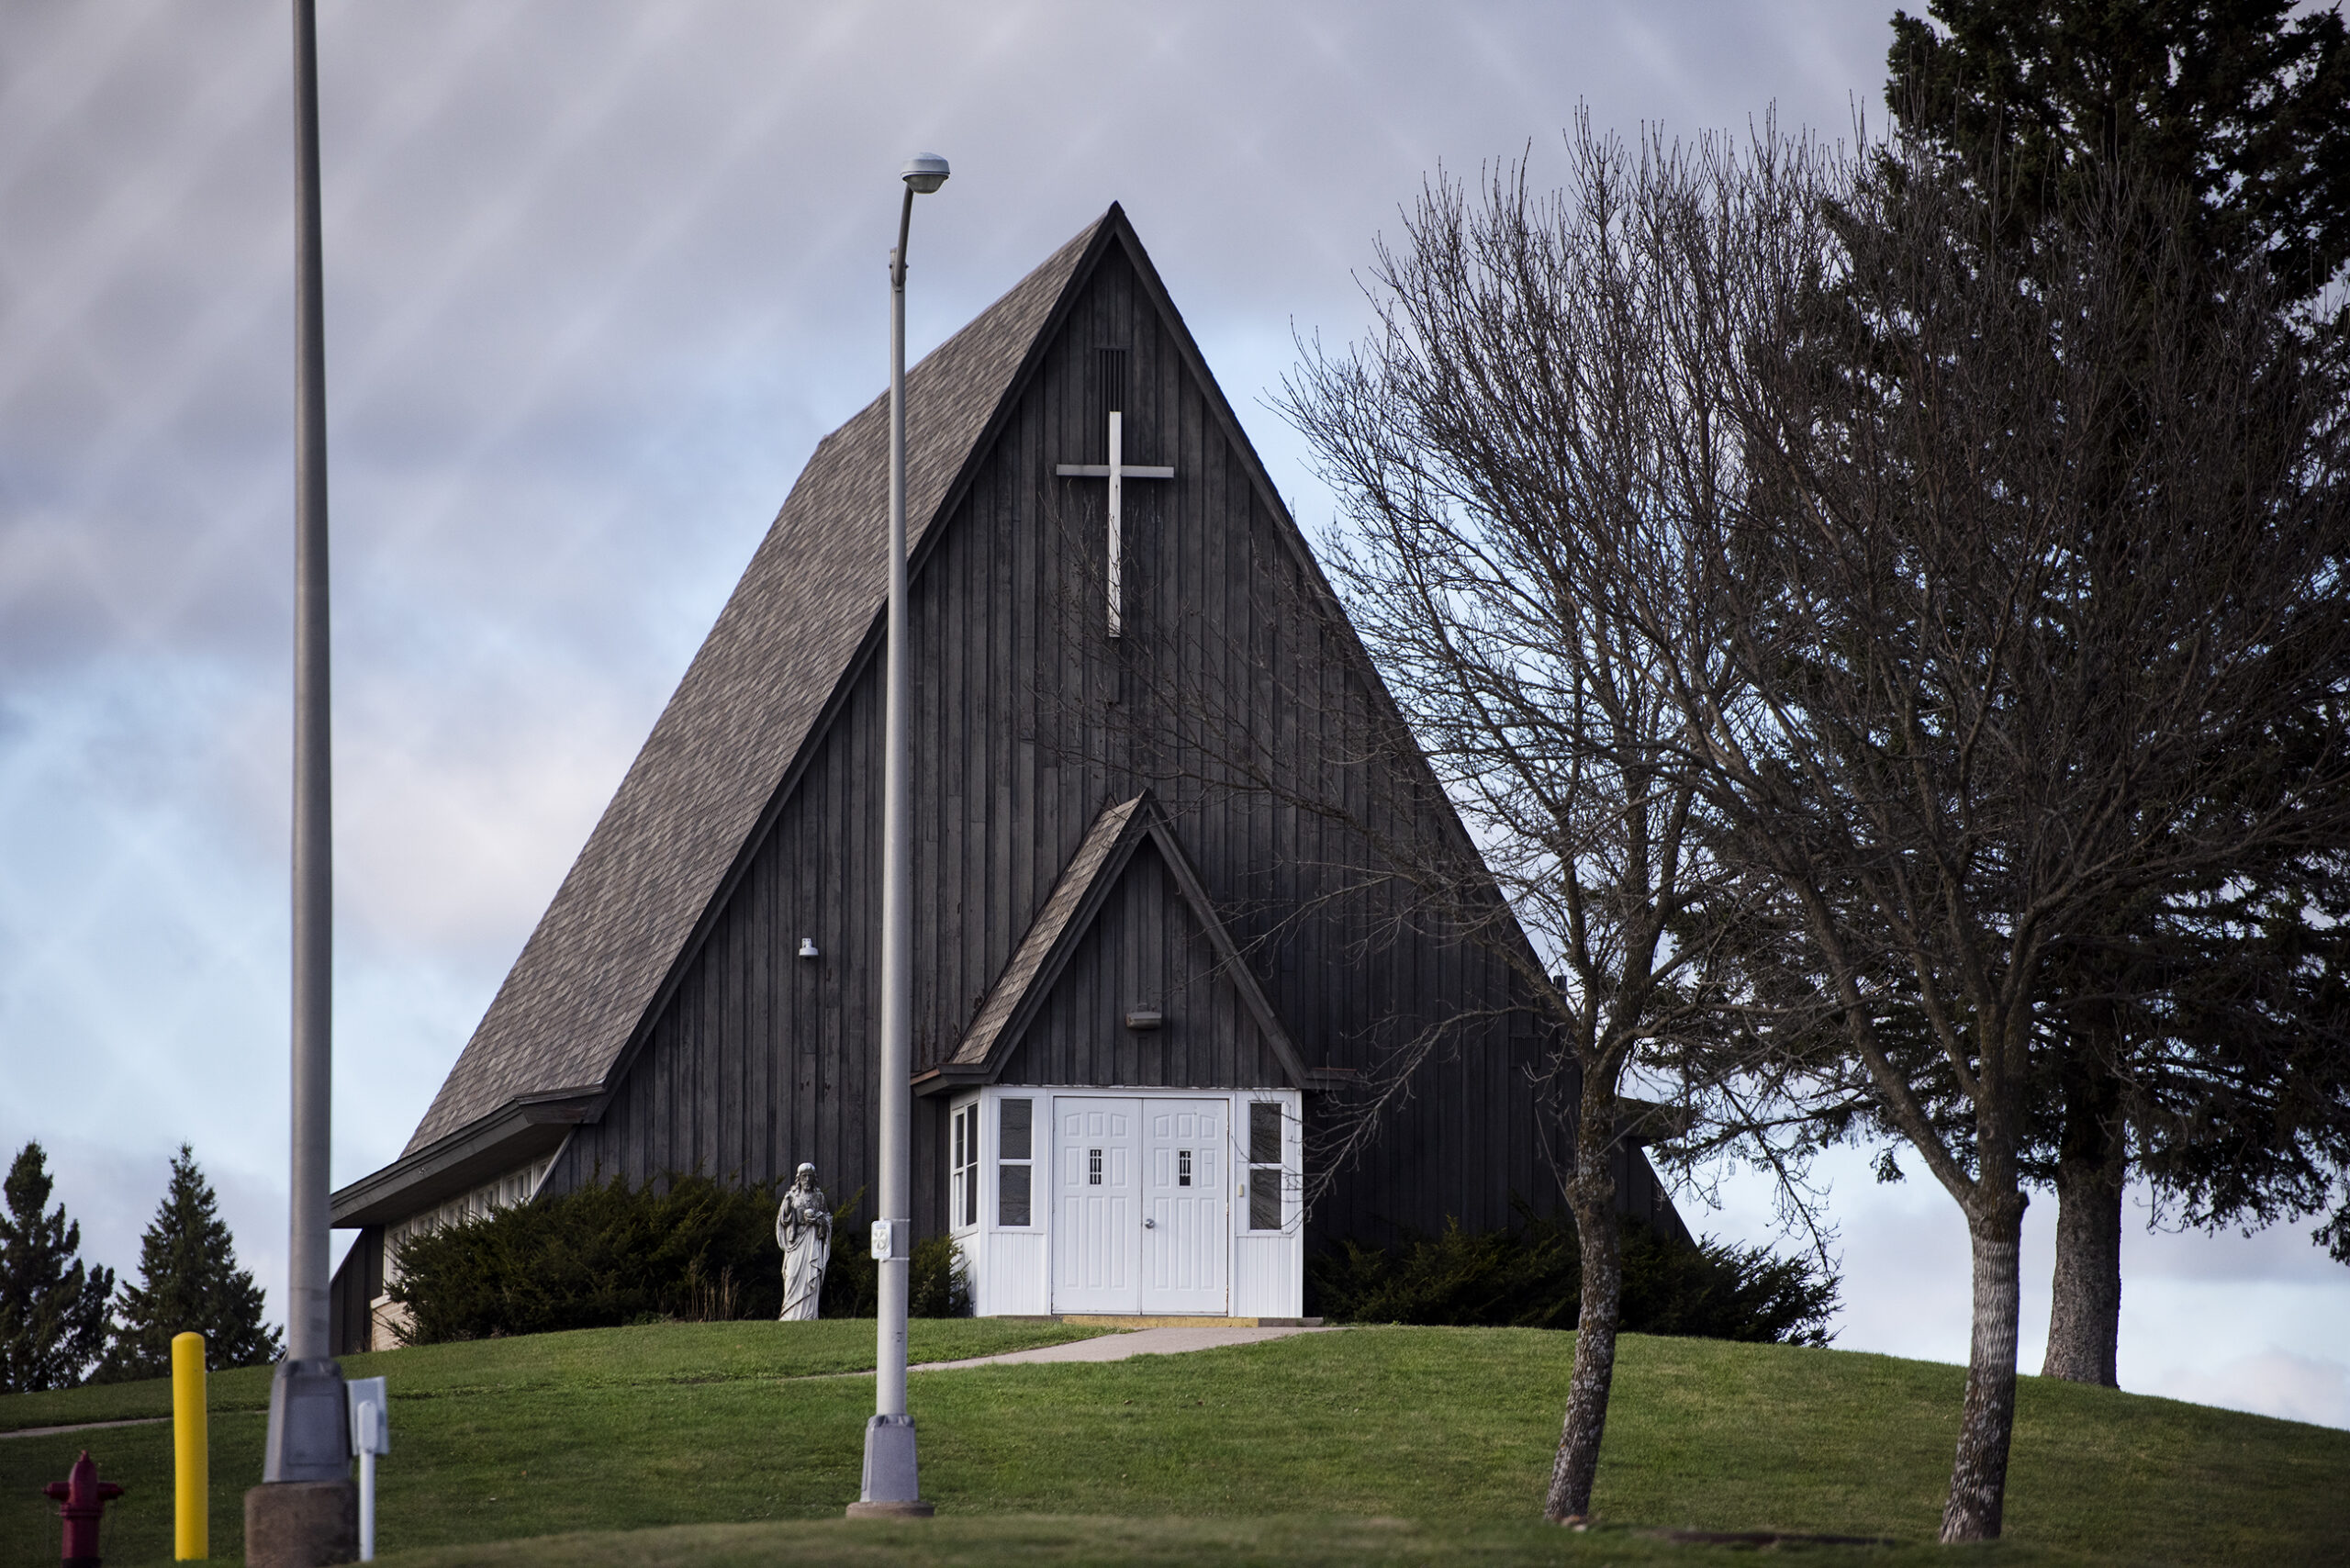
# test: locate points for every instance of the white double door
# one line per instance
(1140, 1221)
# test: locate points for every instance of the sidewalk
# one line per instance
(1118, 1346)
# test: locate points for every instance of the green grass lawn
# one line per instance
(1418, 1445)
(595, 1358)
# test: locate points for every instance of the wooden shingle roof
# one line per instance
(1078, 888)
(747, 706)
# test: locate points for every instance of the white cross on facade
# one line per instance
(1115, 470)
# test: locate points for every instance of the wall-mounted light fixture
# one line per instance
(807, 947)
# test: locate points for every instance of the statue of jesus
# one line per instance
(803, 1229)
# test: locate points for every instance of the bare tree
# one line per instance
(1824, 618)
(2241, 107)
(2027, 572)
(1516, 416)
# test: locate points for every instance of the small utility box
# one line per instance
(371, 1434)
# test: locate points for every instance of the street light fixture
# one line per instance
(922, 175)
(892, 1487)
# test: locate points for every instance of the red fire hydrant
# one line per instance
(82, 1500)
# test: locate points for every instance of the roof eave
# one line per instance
(947, 1077)
(515, 1133)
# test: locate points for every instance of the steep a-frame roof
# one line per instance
(747, 706)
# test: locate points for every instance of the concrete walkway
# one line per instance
(1118, 1346)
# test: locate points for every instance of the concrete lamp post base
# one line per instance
(916, 1510)
(890, 1490)
(301, 1524)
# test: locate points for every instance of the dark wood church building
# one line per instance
(1141, 992)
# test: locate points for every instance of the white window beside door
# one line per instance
(1015, 1172)
(963, 1167)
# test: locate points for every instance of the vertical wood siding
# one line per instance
(351, 1295)
(1028, 721)
(1145, 949)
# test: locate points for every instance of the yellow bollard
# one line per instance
(191, 1453)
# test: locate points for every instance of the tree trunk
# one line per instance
(1979, 1479)
(1591, 1197)
(2085, 1308)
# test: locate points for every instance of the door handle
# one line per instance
(1150, 1225)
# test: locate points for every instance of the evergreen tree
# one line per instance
(53, 1307)
(2243, 105)
(2207, 1021)
(190, 1282)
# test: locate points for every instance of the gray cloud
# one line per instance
(599, 275)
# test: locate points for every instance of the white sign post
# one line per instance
(371, 1434)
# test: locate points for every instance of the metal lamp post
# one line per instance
(891, 1482)
(305, 1510)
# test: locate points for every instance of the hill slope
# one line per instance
(695, 1425)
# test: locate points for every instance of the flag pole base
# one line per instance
(301, 1524)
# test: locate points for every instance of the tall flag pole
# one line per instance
(305, 1510)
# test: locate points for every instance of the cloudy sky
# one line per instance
(600, 275)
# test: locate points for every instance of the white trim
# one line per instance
(1010, 1267)
(547, 1169)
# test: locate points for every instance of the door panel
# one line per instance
(1096, 1222)
(1186, 1237)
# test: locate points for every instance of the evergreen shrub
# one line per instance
(683, 1248)
(1530, 1276)
(937, 1288)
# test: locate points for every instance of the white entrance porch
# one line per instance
(1128, 1201)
